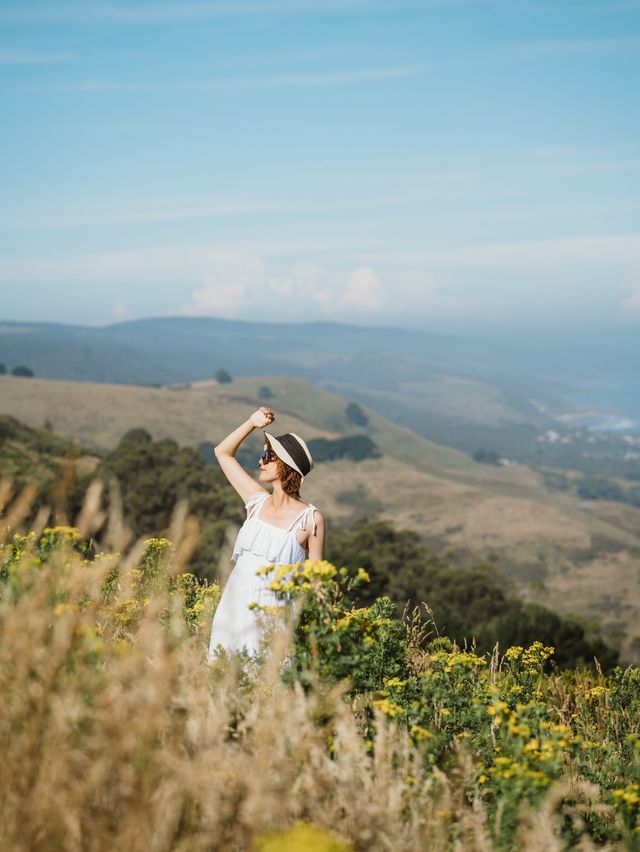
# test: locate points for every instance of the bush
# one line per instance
(137, 435)
(467, 604)
(39, 440)
(207, 453)
(222, 376)
(354, 447)
(27, 372)
(356, 414)
(334, 638)
(487, 457)
(601, 488)
(153, 476)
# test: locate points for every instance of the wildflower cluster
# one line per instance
(124, 597)
(333, 638)
(526, 666)
(519, 743)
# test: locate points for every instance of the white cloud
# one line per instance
(137, 212)
(121, 312)
(18, 56)
(248, 286)
(611, 250)
(294, 80)
(251, 289)
(231, 282)
(187, 208)
(193, 261)
(328, 78)
(300, 281)
(293, 280)
(363, 291)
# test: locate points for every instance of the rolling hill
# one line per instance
(574, 557)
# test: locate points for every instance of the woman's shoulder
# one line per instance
(310, 510)
(256, 498)
(318, 517)
(303, 507)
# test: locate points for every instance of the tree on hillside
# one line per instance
(356, 414)
(354, 447)
(265, 393)
(3, 369)
(524, 623)
(20, 370)
(483, 456)
(206, 452)
(467, 603)
(222, 376)
(600, 488)
(137, 435)
(36, 440)
(153, 476)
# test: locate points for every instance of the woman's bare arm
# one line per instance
(226, 451)
(315, 542)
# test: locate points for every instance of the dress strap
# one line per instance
(302, 518)
(255, 502)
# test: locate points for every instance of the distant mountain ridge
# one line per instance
(490, 395)
(172, 349)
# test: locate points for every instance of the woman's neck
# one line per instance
(280, 498)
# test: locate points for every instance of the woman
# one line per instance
(279, 530)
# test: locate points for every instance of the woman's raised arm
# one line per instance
(226, 451)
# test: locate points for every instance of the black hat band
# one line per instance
(296, 452)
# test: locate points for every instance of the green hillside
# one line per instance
(98, 414)
(570, 556)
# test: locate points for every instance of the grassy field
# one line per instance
(352, 730)
(567, 556)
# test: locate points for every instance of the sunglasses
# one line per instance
(267, 456)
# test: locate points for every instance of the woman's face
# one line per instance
(268, 469)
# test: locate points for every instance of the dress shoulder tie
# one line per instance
(302, 519)
(254, 502)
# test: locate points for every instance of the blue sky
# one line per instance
(432, 164)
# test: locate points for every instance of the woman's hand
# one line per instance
(262, 418)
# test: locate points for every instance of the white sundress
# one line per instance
(258, 543)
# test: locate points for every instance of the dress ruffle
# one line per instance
(275, 545)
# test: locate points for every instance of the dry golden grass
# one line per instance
(151, 748)
(606, 590)
(457, 512)
(624, 517)
(136, 743)
(98, 415)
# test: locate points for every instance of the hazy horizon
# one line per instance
(518, 331)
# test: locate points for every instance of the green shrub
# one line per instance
(354, 447)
